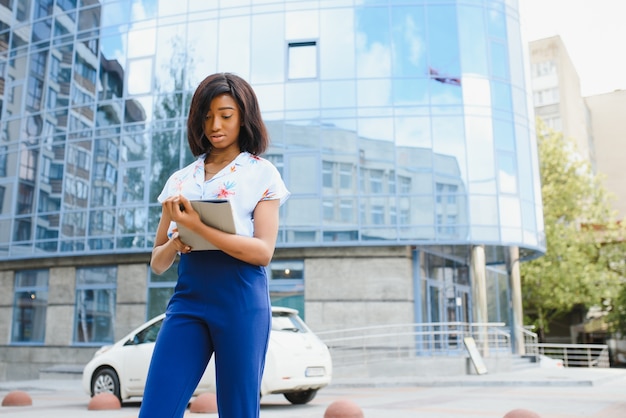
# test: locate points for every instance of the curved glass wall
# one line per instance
(393, 122)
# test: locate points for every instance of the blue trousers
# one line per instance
(220, 305)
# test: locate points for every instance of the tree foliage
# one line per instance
(578, 268)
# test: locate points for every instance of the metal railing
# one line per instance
(575, 355)
(397, 341)
(530, 342)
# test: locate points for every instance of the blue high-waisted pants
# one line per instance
(221, 305)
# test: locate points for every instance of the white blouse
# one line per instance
(246, 181)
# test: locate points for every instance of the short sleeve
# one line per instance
(276, 188)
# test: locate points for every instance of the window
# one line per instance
(95, 305)
(543, 68)
(546, 96)
(346, 211)
(4, 152)
(29, 306)
(34, 93)
(327, 174)
(391, 181)
(55, 65)
(376, 181)
(302, 60)
(447, 190)
(286, 283)
(328, 209)
(345, 176)
(52, 99)
(405, 184)
(161, 289)
(378, 215)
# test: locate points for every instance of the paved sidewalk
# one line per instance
(552, 393)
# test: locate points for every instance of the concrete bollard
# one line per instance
(521, 413)
(205, 403)
(103, 402)
(17, 398)
(343, 408)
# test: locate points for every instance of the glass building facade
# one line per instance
(393, 123)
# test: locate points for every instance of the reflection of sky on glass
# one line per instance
(409, 45)
(301, 25)
(171, 7)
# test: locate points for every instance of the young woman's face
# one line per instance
(223, 122)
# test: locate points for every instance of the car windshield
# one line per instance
(285, 321)
(147, 335)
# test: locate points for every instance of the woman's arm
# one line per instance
(257, 250)
(165, 249)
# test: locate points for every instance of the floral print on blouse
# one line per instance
(247, 180)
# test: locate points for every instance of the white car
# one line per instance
(297, 363)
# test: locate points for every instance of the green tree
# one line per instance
(577, 268)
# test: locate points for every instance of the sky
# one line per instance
(593, 31)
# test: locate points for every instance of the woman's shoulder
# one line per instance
(189, 168)
(255, 161)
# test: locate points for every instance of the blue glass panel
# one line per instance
(473, 40)
(443, 46)
(413, 132)
(267, 53)
(507, 173)
(337, 40)
(234, 46)
(501, 96)
(409, 41)
(499, 60)
(480, 155)
(496, 21)
(338, 94)
(411, 91)
(449, 147)
(373, 42)
(203, 37)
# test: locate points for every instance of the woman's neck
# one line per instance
(221, 156)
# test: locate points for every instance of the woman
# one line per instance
(221, 300)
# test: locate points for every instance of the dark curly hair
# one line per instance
(253, 136)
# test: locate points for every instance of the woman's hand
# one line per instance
(179, 209)
(180, 246)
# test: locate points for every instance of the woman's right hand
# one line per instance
(178, 209)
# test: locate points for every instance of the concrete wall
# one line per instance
(354, 287)
(20, 362)
(608, 115)
(344, 288)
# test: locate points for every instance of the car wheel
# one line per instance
(105, 381)
(302, 397)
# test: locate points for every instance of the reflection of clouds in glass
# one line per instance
(476, 95)
(414, 41)
(373, 59)
(141, 42)
(479, 133)
(139, 76)
(507, 181)
(142, 9)
(413, 132)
